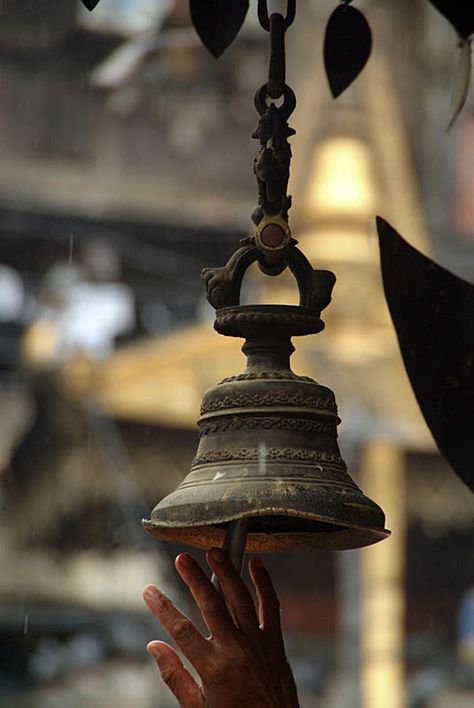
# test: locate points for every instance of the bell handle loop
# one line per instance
(223, 284)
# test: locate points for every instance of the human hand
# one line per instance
(242, 664)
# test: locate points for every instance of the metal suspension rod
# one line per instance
(234, 544)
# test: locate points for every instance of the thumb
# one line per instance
(176, 676)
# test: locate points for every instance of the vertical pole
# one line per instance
(234, 543)
(382, 575)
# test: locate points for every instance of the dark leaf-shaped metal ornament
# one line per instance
(218, 22)
(90, 4)
(460, 13)
(433, 314)
(347, 46)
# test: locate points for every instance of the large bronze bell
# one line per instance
(268, 447)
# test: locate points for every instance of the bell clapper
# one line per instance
(234, 543)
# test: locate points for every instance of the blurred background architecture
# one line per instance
(126, 167)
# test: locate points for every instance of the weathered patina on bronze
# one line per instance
(268, 447)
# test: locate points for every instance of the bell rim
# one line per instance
(211, 537)
(351, 536)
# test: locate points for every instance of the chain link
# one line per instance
(264, 18)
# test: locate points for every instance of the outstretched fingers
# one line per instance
(176, 676)
(179, 627)
(244, 664)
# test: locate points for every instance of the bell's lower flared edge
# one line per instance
(285, 513)
(337, 537)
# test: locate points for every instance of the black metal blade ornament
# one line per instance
(218, 22)
(460, 13)
(347, 46)
(90, 4)
(433, 314)
(268, 474)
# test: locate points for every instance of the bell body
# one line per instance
(268, 452)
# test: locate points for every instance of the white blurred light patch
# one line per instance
(94, 315)
(125, 17)
(12, 295)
